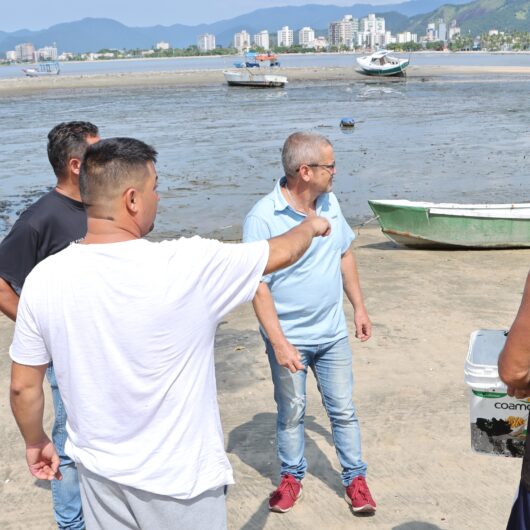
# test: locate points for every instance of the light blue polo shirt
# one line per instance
(308, 295)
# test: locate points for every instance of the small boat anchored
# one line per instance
(259, 80)
(382, 63)
(43, 69)
(449, 225)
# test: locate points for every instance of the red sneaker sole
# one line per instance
(367, 508)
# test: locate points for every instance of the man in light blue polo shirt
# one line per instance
(302, 319)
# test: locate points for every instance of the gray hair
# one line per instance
(302, 148)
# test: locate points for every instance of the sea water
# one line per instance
(450, 139)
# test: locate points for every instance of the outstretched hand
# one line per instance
(43, 460)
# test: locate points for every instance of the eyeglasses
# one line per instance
(329, 167)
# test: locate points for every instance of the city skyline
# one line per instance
(33, 15)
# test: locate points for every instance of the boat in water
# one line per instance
(43, 69)
(254, 60)
(382, 63)
(450, 225)
(256, 80)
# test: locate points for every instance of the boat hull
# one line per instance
(395, 70)
(421, 226)
(248, 79)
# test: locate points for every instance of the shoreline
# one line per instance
(27, 85)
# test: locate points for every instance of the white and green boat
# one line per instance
(382, 63)
(431, 225)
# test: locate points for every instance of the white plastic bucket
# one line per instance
(498, 421)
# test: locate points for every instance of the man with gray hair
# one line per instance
(302, 319)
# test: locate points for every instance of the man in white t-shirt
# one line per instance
(129, 325)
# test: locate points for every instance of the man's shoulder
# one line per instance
(264, 208)
(44, 207)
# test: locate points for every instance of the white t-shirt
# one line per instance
(130, 328)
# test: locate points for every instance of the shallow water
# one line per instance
(219, 147)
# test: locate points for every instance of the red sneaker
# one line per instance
(286, 495)
(358, 495)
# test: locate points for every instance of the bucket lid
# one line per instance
(480, 369)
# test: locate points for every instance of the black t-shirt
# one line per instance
(46, 227)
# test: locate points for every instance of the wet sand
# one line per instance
(10, 87)
(410, 395)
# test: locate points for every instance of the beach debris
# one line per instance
(347, 123)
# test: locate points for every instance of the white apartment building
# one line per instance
(25, 51)
(206, 42)
(262, 39)
(372, 32)
(162, 45)
(11, 55)
(406, 36)
(285, 37)
(442, 31)
(47, 53)
(242, 41)
(306, 37)
(454, 30)
(431, 31)
(343, 32)
(320, 43)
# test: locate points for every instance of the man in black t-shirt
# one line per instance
(514, 370)
(46, 227)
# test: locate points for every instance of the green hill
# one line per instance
(479, 16)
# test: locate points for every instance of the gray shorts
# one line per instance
(111, 506)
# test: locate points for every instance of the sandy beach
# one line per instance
(409, 392)
(27, 85)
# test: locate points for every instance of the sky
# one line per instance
(36, 14)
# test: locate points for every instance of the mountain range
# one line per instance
(92, 34)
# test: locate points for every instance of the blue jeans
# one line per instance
(332, 365)
(65, 493)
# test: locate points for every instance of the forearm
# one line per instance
(27, 404)
(8, 300)
(288, 248)
(266, 313)
(514, 360)
(351, 282)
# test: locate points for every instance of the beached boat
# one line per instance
(431, 225)
(250, 79)
(382, 63)
(43, 69)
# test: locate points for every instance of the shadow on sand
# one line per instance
(253, 443)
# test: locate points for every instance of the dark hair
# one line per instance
(111, 165)
(68, 140)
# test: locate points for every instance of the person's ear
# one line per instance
(131, 200)
(74, 165)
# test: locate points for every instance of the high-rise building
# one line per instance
(47, 53)
(285, 37)
(454, 30)
(242, 41)
(442, 30)
(25, 51)
(11, 55)
(206, 42)
(262, 40)
(162, 45)
(343, 32)
(306, 37)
